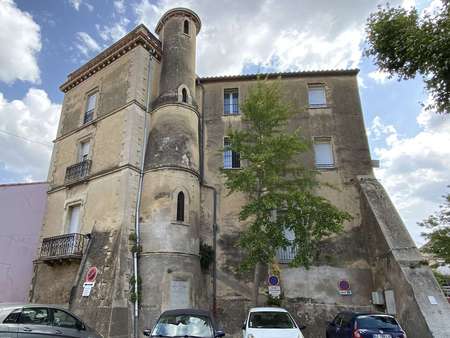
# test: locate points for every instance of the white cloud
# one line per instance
(415, 170)
(77, 4)
(86, 44)
(21, 41)
(379, 77)
(27, 128)
(119, 6)
(279, 35)
(114, 32)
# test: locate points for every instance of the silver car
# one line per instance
(39, 321)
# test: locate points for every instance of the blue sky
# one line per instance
(43, 41)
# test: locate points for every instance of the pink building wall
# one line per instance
(22, 208)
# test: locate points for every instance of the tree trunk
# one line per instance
(256, 279)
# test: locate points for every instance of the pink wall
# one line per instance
(22, 208)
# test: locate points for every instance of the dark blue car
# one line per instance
(364, 325)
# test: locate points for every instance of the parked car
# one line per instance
(364, 325)
(270, 322)
(35, 320)
(185, 323)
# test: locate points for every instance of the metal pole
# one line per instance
(138, 202)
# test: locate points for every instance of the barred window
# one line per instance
(231, 102)
(231, 159)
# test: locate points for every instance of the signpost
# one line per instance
(344, 288)
(274, 286)
(89, 281)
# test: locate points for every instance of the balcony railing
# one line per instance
(77, 171)
(63, 247)
(286, 255)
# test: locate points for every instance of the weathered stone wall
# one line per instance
(343, 256)
(108, 195)
(399, 266)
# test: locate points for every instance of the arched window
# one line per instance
(180, 207)
(184, 95)
(186, 27)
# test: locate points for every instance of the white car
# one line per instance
(270, 322)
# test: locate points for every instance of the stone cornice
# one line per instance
(180, 11)
(140, 36)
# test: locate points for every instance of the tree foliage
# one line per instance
(273, 178)
(438, 234)
(405, 43)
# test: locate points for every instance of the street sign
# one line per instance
(344, 288)
(275, 291)
(273, 280)
(91, 275)
(87, 288)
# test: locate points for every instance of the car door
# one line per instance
(334, 327)
(34, 322)
(8, 329)
(66, 324)
(346, 327)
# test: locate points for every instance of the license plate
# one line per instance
(379, 335)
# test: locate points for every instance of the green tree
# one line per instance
(438, 234)
(273, 178)
(405, 43)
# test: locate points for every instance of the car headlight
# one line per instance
(250, 336)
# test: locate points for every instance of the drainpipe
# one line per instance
(138, 201)
(214, 225)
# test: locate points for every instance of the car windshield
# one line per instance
(183, 325)
(376, 322)
(270, 320)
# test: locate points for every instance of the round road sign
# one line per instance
(273, 280)
(91, 274)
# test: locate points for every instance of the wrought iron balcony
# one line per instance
(77, 171)
(68, 246)
(286, 255)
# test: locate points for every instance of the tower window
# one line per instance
(186, 27)
(180, 207)
(231, 159)
(231, 101)
(184, 95)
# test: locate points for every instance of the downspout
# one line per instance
(138, 202)
(202, 178)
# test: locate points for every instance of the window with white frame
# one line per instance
(323, 152)
(90, 107)
(231, 101)
(84, 151)
(231, 159)
(74, 219)
(317, 96)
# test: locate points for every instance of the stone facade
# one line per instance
(154, 133)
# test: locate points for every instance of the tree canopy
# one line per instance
(405, 43)
(280, 190)
(438, 234)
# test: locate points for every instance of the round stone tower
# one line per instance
(170, 206)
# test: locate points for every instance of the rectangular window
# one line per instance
(286, 255)
(231, 101)
(231, 159)
(84, 151)
(90, 107)
(323, 152)
(74, 219)
(316, 96)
